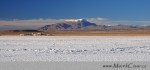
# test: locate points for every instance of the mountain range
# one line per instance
(84, 25)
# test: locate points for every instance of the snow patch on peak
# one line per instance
(75, 20)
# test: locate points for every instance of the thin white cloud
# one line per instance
(37, 23)
(30, 22)
(129, 22)
(96, 19)
(105, 21)
(41, 21)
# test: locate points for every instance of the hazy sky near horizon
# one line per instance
(38, 12)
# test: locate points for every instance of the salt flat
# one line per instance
(74, 48)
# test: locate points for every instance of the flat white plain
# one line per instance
(74, 48)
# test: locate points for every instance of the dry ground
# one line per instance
(104, 33)
(88, 33)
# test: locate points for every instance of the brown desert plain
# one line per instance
(85, 33)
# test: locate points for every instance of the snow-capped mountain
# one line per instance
(72, 24)
(83, 24)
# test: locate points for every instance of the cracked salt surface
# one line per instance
(74, 48)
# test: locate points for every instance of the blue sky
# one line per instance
(58, 9)
(41, 12)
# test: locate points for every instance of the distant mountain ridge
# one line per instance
(83, 24)
(80, 24)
